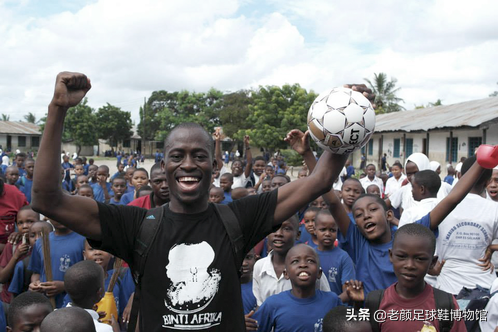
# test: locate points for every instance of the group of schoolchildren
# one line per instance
(320, 271)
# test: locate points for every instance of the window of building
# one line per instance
(397, 143)
(35, 141)
(21, 141)
(454, 149)
(160, 145)
(474, 142)
(370, 147)
(126, 143)
(409, 146)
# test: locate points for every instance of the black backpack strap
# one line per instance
(372, 303)
(444, 301)
(145, 237)
(234, 231)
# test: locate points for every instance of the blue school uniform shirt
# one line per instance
(3, 322)
(67, 167)
(304, 235)
(127, 198)
(113, 202)
(130, 188)
(373, 266)
(287, 313)
(85, 168)
(65, 251)
(126, 288)
(248, 298)
(228, 198)
(343, 243)
(98, 192)
(337, 268)
(17, 282)
(449, 179)
(26, 186)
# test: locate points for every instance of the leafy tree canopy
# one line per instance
(113, 124)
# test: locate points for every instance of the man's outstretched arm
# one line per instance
(78, 213)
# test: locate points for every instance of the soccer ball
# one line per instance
(341, 120)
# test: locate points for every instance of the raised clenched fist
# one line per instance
(70, 88)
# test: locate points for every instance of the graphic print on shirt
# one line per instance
(332, 274)
(65, 263)
(318, 326)
(193, 287)
(468, 235)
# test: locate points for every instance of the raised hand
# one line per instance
(70, 88)
(298, 141)
(354, 289)
(246, 140)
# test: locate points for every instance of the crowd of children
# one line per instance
(397, 241)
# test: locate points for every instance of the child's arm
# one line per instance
(248, 169)
(217, 149)
(296, 194)
(7, 271)
(103, 184)
(456, 195)
(76, 212)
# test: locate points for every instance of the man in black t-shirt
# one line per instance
(190, 280)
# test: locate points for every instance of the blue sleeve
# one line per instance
(265, 316)
(426, 221)
(35, 263)
(17, 282)
(347, 268)
(3, 323)
(66, 301)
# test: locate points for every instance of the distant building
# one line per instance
(24, 136)
(443, 133)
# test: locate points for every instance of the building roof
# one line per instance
(19, 128)
(467, 114)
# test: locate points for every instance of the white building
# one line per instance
(430, 130)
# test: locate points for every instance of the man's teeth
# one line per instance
(303, 274)
(188, 179)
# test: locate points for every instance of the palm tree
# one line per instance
(385, 94)
(5, 117)
(30, 117)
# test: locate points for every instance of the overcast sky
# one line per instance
(444, 49)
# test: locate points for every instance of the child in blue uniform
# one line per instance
(248, 299)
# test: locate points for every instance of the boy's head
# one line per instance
(29, 166)
(283, 239)
(259, 165)
(12, 174)
(85, 191)
(91, 161)
(139, 178)
(81, 180)
(121, 168)
(159, 183)
(325, 230)
(103, 173)
(302, 174)
(216, 195)
(336, 320)
(269, 171)
(26, 217)
(144, 191)
(319, 203)
(226, 182)
(36, 230)
(27, 311)
(84, 283)
(247, 267)
(371, 215)
(370, 170)
(79, 169)
(129, 173)
(425, 184)
(92, 172)
(239, 193)
(119, 186)
(351, 190)
(278, 181)
(302, 266)
(483, 180)
(69, 319)
(251, 191)
(397, 170)
(412, 255)
(19, 159)
(373, 189)
(102, 258)
(309, 219)
(65, 158)
(492, 186)
(237, 168)
(266, 186)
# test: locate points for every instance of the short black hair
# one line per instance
(143, 188)
(103, 167)
(375, 197)
(141, 169)
(485, 176)
(24, 300)
(415, 229)
(322, 211)
(80, 175)
(336, 320)
(398, 164)
(312, 209)
(228, 176)
(119, 177)
(69, 319)
(28, 207)
(282, 176)
(155, 167)
(83, 280)
(295, 221)
(370, 165)
(20, 154)
(259, 158)
(355, 180)
(190, 126)
(86, 186)
(429, 179)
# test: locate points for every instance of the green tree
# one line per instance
(113, 124)
(385, 94)
(5, 117)
(80, 126)
(494, 94)
(30, 117)
(437, 103)
(235, 112)
(274, 111)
